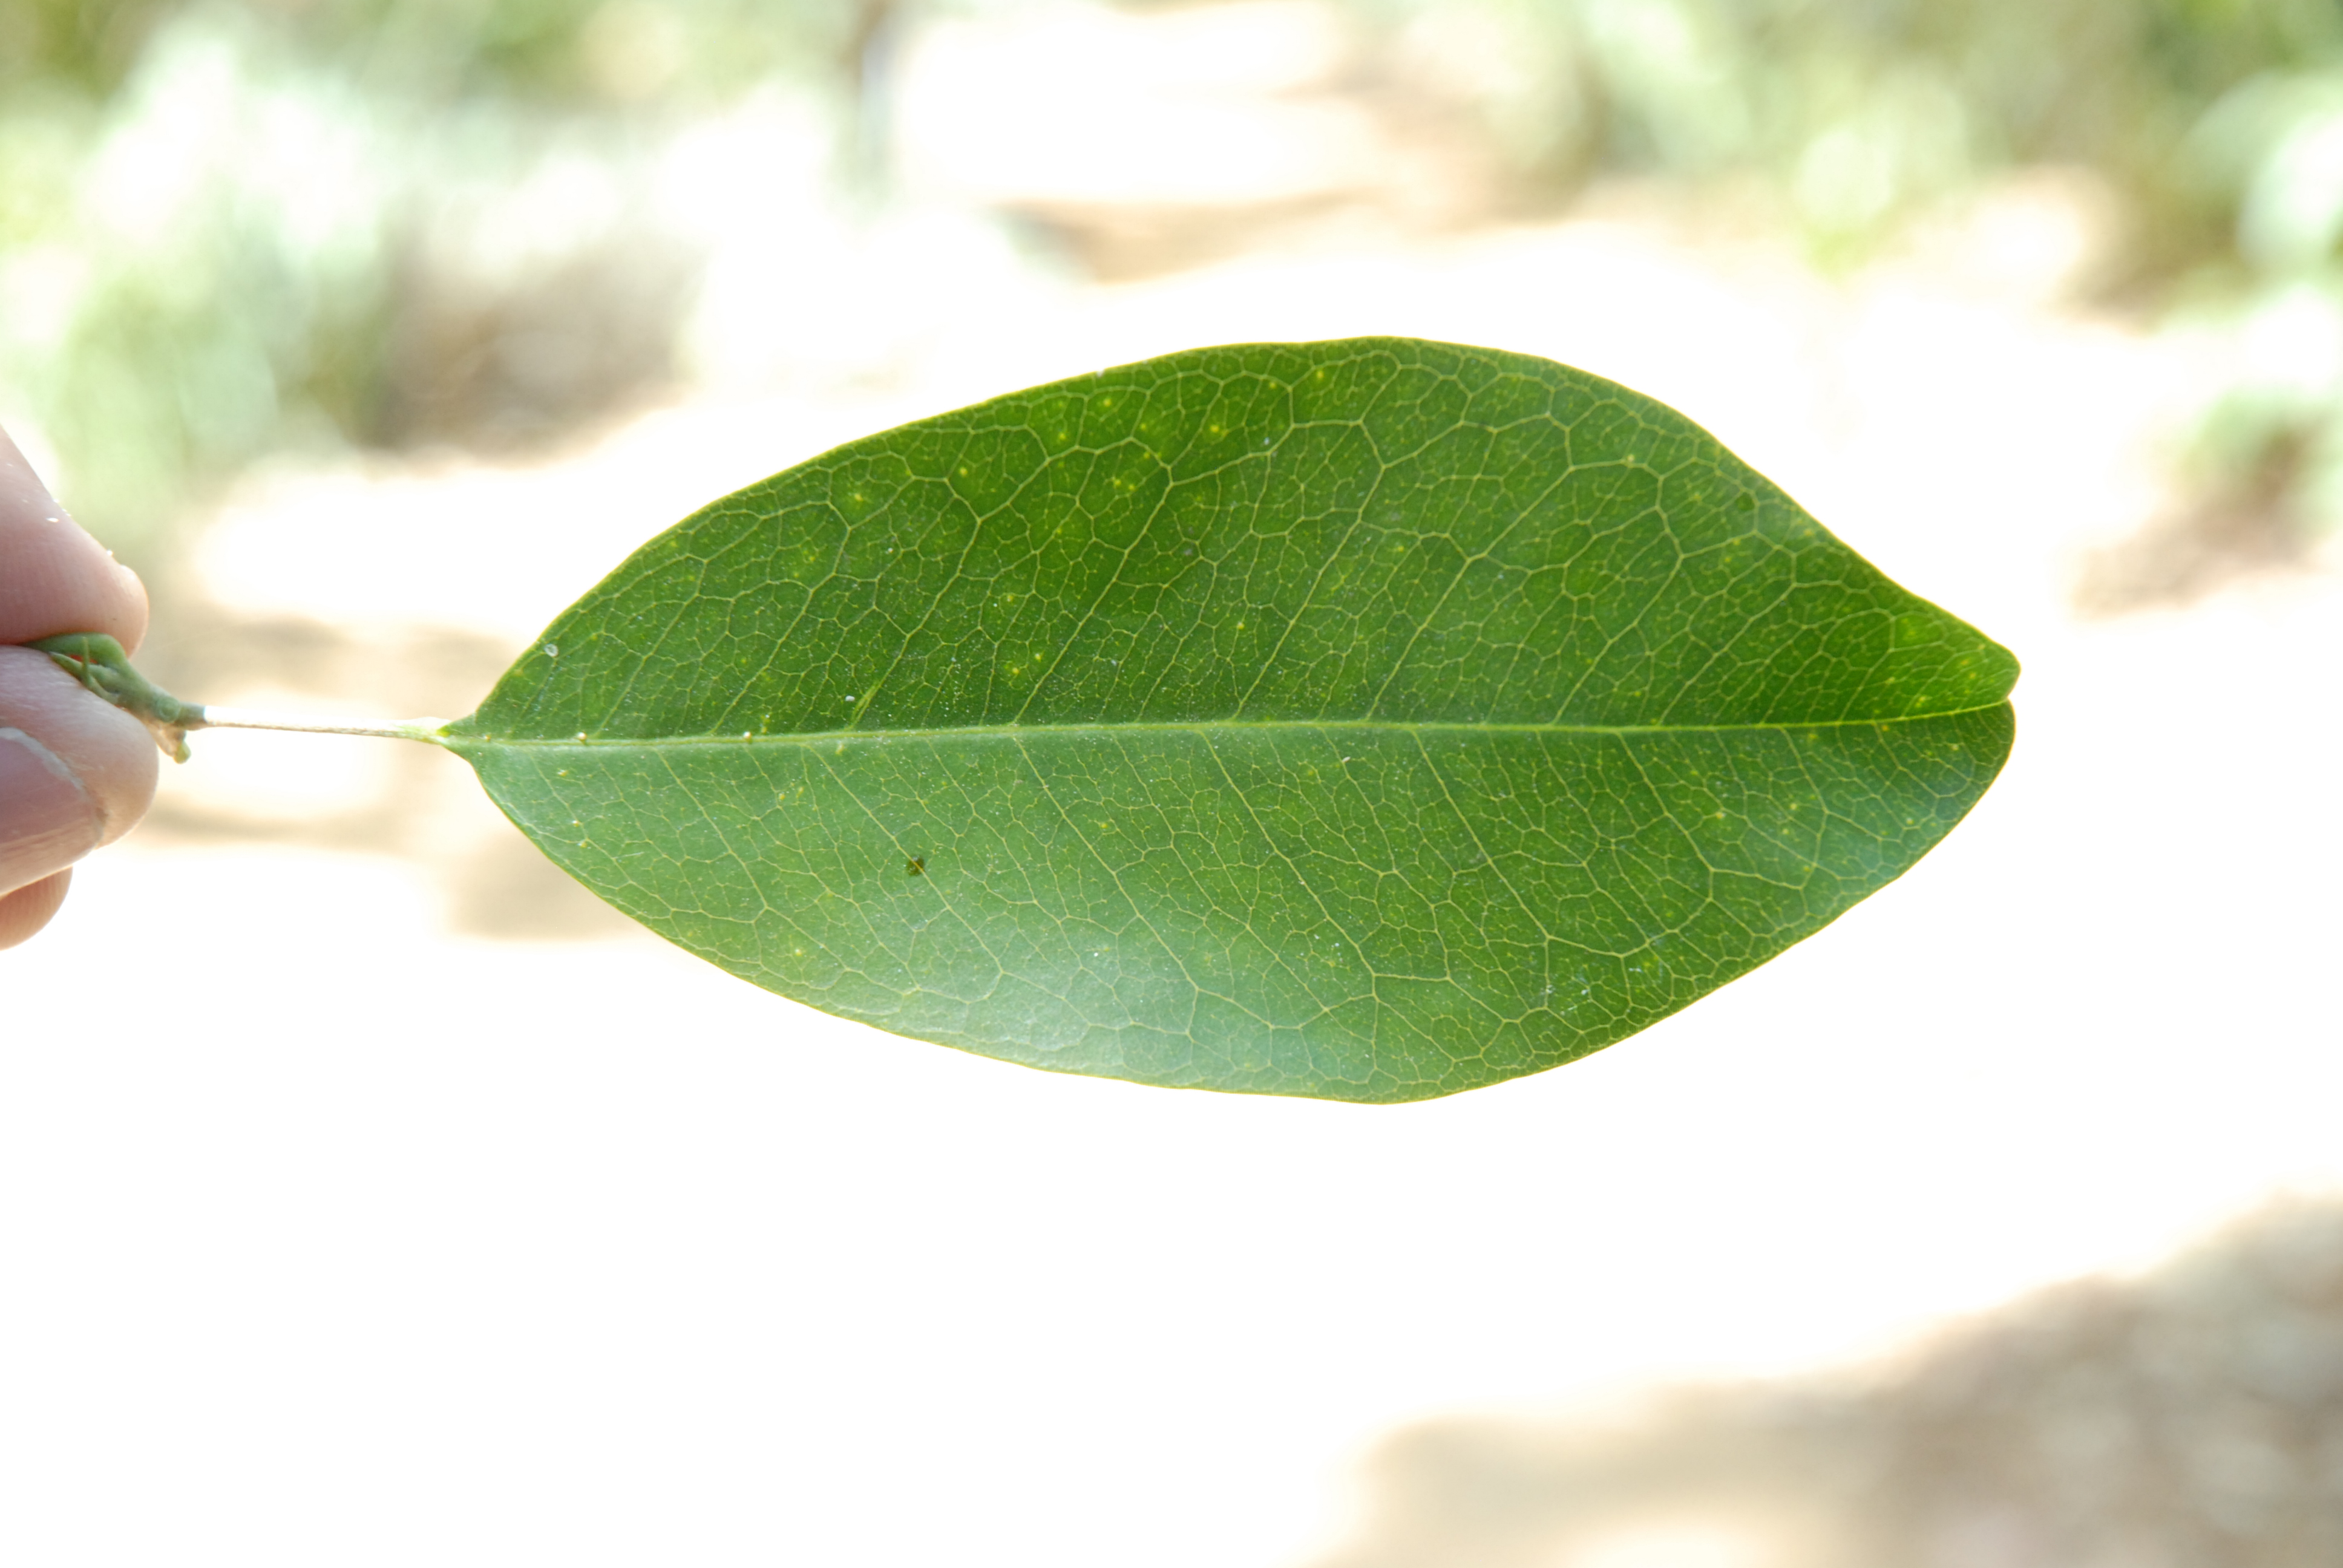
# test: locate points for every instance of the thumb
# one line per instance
(74, 773)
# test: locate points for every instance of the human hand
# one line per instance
(75, 772)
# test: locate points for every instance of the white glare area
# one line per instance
(2293, 344)
(202, 109)
(373, 551)
(515, 232)
(41, 282)
(345, 1236)
(273, 779)
(1675, 1545)
(1206, 105)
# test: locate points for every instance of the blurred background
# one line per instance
(368, 1192)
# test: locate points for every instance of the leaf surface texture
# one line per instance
(1369, 719)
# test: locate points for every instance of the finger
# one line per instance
(74, 773)
(27, 910)
(56, 579)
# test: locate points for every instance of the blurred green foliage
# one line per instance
(1864, 107)
(233, 226)
(2215, 124)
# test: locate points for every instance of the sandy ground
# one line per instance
(338, 1228)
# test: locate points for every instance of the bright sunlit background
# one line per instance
(370, 1194)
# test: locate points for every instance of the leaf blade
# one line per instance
(1299, 631)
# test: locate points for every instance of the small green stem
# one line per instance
(424, 729)
(100, 664)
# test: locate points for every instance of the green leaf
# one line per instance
(1368, 719)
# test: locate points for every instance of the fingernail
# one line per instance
(47, 821)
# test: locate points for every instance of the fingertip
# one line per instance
(58, 579)
(56, 733)
(130, 589)
(25, 911)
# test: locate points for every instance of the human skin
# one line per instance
(75, 773)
